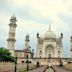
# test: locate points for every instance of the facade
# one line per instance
(26, 52)
(49, 45)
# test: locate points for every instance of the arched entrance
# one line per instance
(49, 51)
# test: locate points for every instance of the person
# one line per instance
(50, 64)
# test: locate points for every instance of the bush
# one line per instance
(5, 55)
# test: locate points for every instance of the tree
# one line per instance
(5, 55)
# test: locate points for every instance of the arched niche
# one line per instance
(49, 51)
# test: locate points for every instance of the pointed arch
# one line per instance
(49, 51)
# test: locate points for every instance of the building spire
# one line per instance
(49, 27)
(14, 14)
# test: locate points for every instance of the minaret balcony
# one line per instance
(13, 25)
(11, 40)
(12, 18)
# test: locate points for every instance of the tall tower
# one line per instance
(27, 49)
(11, 38)
(71, 46)
(27, 42)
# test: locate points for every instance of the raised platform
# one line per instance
(46, 61)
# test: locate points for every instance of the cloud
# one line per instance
(46, 7)
(32, 14)
(67, 19)
(35, 16)
(6, 6)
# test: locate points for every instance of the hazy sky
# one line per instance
(35, 16)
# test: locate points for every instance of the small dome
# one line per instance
(27, 37)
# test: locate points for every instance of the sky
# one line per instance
(34, 16)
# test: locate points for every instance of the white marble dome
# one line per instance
(49, 34)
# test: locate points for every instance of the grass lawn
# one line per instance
(70, 71)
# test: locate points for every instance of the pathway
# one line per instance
(58, 69)
(49, 70)
(40, 69)
(43, 68)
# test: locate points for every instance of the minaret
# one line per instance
(27, 46)
(61, 39)
(71, 46)
(11, 38)
(61, 50)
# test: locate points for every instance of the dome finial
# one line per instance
(49, 27)
(13, 14)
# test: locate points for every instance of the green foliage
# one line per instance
(5, 55)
